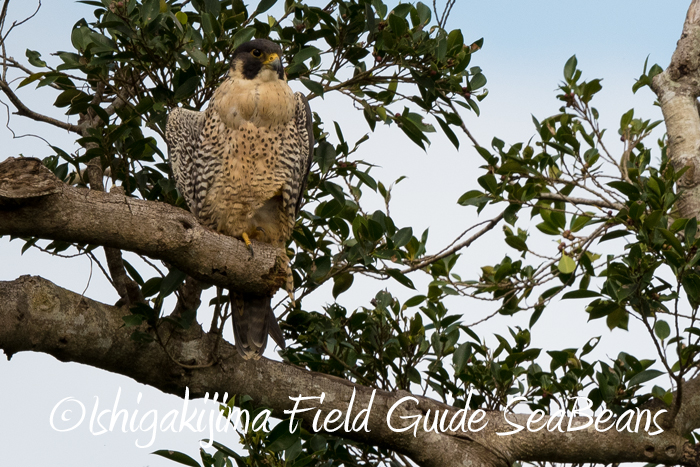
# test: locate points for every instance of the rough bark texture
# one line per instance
(37, 315)
(678, 88)
(33, 202)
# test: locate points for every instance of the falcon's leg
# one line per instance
(248, 244)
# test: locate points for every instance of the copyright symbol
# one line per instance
(67, 414)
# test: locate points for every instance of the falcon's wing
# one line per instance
(183, 135)
(305, 125)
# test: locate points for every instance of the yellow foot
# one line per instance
(248, 244)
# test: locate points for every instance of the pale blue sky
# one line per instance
(526, 46)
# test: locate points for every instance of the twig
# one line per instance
(578, 201)
(490, 225)
(24, 111)
(463, 125)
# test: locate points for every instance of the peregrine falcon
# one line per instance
(242, 166)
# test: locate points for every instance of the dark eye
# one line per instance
(256, 53)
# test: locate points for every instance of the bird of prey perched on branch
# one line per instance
(242, 166)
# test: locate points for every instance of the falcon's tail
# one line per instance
(253, 320)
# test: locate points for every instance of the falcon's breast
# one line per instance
(251, 127)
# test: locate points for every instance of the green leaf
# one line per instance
(280, 438)
(186, 89)
(570, 68)
(152, 286)
(580, 294)
(34, 58)
(67, 97)
(150, 10)
(618, 318)
(662, 329)
(614, 234)
(243, 35)
(198, 56)
(172, 281)
(626, 118)
(461, 357)
(643, 377)
(398, 25)
(181, 17)
(580, 222)
(214, 7)
(31, 78)
(414, 301)
(366, 179)
(547, 229)
(468, 198)
(627, 189)
(516, 242)
(477, 81)
(313, 86)
(566, 264)
(536, 315)
(558, 219)
(424, 13)
(264, 5)
(651, 221)
(177, 457)
(673, 241)
(132, 320)
(402, 237)
(341, 283)
(133, 273)
(448, 132)
(401, 278)
(305, 54)
(691, 230)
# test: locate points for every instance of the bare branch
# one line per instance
(580, 201)
(431, 259)
(24, 111)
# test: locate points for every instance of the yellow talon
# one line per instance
(248, 244)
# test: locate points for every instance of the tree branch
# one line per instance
(580, 201)
(33, 202)
(431, 259)
(25, 111)
(36, 315)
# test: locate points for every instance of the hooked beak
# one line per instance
(274, 62)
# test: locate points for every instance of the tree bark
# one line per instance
(677, 89)
(33, 202)
(37, 315)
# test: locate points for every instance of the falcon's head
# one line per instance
(258, 58)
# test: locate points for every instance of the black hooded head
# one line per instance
(255, 55)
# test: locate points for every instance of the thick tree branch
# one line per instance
(36, 315)
(33, 202)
